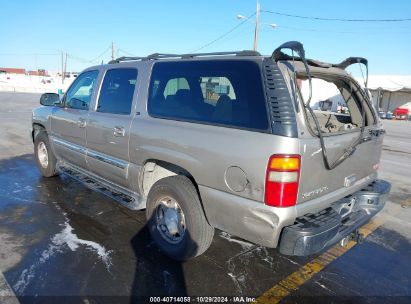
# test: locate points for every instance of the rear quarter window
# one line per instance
(221, 92)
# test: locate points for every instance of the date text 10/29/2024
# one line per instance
(235, 299)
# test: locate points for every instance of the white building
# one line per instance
(390, 91)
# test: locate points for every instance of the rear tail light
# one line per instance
(281, 184)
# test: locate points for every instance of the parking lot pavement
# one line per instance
(59, 238)
(15, 120)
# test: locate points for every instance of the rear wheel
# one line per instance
(45, 159)
(176, 219)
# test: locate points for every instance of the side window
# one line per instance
(175, 84)
(224, 93)
(117, 90)
(80, 92)
(215, 87)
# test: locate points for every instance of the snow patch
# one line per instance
(291, 261)
(245, 245)
(324, 287)
(238, 265)
(18, 188)
(59, 243)
(66, 236)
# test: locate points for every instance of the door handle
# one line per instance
(81, 123)
(119, 131)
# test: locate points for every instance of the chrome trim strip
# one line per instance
(107, 159)
(96, 155)
(70, 146)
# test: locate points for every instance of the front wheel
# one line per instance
(45, 159)
(176, 220)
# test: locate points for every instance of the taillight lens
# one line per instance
(281, 184)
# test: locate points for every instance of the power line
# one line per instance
(311, 30)
(29, 54)
(336, 19)
(68, 55)
(249, 29)
(223, 35)
(83, 60)
(126, 53)
(76, 58)
(377, 31)
(102, 54)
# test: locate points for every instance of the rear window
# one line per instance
(226, 93)
(336, 103)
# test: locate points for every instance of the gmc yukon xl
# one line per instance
(280, 150)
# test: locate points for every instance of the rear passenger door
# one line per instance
(108, 128)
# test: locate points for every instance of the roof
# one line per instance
(157, 56)
(13, 70)
(392, 83)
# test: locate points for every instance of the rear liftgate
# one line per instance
(298, 48)
(313, 232)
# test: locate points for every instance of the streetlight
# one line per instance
(257, 24)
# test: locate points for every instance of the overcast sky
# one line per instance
(33, 33)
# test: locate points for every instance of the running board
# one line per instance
(128, 199)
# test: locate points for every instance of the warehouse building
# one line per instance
(390, 91)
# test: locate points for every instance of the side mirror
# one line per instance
(50, 99)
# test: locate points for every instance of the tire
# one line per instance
(45, 159)
(197, 235)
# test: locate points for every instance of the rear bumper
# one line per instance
(313, 232)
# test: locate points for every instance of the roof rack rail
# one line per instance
(157, 56)
(125, 58)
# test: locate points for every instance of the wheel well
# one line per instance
(37, 128)
(154, 170)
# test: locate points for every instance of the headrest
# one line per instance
(184, 96)
(224, 99)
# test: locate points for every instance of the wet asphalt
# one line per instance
(59, 238)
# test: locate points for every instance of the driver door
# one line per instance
(68, 123)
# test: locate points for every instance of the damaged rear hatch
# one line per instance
(340, 134)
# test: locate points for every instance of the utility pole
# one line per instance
(62, 62)
(257, 25)
(112, 51)
(65, 68)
